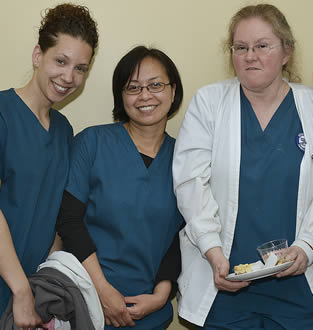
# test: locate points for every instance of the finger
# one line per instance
(115, 323)
(107, 321)
(292, 270)
(232, 285)
(128, 320)
(130, 300)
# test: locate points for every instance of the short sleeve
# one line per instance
(3, 139)
(81, 160)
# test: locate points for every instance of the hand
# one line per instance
(143, 305)
(220, 267)
(114, 308)
(299, 266)
(24, 312)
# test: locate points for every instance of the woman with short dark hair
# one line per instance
(120, 186)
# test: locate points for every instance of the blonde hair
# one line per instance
(273, 16)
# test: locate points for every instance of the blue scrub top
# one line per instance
(34, 165)
(131, 213)
(268, 191)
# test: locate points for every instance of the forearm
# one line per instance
(10, 268)
(91, 264)
(57, 244)
(162, 291)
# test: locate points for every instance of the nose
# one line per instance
(251, 55)
(145, 94)
(67, 75)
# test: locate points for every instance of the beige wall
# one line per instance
(189, 31)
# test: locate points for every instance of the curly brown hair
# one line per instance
(70, 19)
(273, 16)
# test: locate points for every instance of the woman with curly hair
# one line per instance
(34, 147)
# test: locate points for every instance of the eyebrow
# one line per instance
(68, 58)
(258, 40)
(153, 78)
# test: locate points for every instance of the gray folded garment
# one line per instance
(57, 296)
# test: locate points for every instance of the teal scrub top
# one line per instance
(34, 165)
(131, 213)
(268, 191)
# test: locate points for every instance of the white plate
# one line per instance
(259, 273)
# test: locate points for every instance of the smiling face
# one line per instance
(62, 69)
(146, 108)
(258, 72)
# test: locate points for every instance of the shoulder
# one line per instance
(106, 132)
(62, 121)
(219, 88)
(214, 96)
(6, 100)
(301, 89)
(303, 95)
(100, 130)
(214, 99)
(170, 140)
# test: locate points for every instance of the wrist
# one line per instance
(21, 289)
(162, 291)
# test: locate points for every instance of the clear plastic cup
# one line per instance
(277, 246)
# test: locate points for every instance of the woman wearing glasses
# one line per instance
(243, 175)
(120, 183)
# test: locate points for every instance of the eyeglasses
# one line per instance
(155, 87)
(258, 49)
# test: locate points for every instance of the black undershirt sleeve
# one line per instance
(76, 239)
(71, 227)
(170, 266)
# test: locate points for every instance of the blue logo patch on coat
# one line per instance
(301, 142)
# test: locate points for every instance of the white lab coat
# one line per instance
(206, 182)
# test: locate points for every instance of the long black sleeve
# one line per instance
(170, 267)
(71, 227)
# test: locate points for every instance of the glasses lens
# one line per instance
(156, 87)
(261, 49)
(239, 49)
(132, 89)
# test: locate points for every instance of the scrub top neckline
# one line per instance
(132, 146)
(35, 119)
(276, 114)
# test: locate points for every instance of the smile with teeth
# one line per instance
(60, 89)
(147, 108)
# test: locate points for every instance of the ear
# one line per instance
(173, 92)
(287, 55)
(36, 56)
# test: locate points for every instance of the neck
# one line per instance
(266, 102)
(148, 139)
(268, 95)
(40, 106)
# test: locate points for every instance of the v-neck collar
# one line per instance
(133, 149)
(33, 117)
(276, 116)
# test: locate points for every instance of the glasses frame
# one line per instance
(140, 88)
(232, 48)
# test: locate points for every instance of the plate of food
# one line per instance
(248, 272)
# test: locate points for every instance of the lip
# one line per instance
(147, 108)
(60, 89)
(252, 69)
